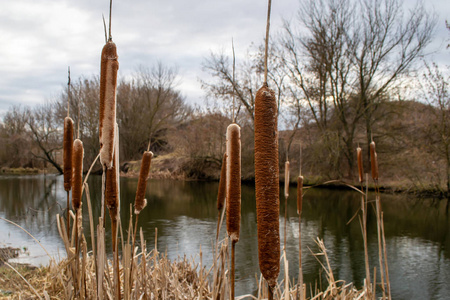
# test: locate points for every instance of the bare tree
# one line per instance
(46, 134)
(436, 89)
(351, 58)
(14, 137)
(84, 101)
(247, 80)
(148, 107)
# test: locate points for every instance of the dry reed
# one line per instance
(299, 194)
(221, 195)
(286, 179)
(286, 196)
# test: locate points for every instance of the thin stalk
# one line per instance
(300, 271)
(380, 251)
(266, 51)
(233, 246)
(270, 288)
(68, 211)
(285, 223)
(114, 231)
(364, 213)
(388, 284)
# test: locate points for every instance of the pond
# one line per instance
(185, 215)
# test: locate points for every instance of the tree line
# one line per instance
(341, 70)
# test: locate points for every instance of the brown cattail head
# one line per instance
(299, 194)
(360, 164)
(373, 161)
(112, 190)
(267, 184)
(233, 181)
(77, 179)
(140, 202)
(222, 194)
(286, 179)
(107, 114)
(67, 153)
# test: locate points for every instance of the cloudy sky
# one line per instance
(41, 38)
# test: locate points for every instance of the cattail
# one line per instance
(360, 164)
(221, 195)
(233, 181)
(286, 179)
(108, 85)
(67, 153)
(299, 194)
(112, 191)
(373, 161)
(77, 163)
(267, 183)
(140, 202)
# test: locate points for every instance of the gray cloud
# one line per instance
(41, 38)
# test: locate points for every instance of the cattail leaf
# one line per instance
(221, 195)
(299, 194)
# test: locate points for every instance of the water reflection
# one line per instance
(418, 244)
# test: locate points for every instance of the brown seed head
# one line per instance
(267, 184)
(140, 202)
(299, 194)
(112, 188)
(233, 181)
(360, 164)
(67, 152)
(286, 179)
(77, 179)
(107, 114)
(373, 161)
(222, 194)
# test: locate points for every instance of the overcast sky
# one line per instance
(39, 39)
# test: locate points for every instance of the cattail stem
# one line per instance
(68, 213)
(233, 246)
(286, 196)
(270, 293)
(266, 51)
(299, 211)
(221, 195)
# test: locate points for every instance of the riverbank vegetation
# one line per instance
(349, 79)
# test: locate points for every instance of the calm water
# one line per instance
(417, 230)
